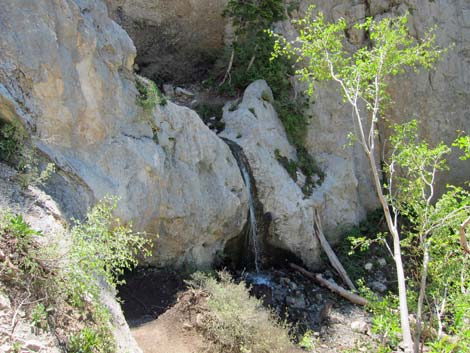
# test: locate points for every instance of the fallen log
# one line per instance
(330, 253)
(353, 298)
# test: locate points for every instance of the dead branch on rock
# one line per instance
(329, 251)
(353, 298)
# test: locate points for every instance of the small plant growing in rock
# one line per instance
(39, 317)
(16, 150)
(149, 94)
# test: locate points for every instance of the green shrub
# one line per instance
(236, 322)
(149, 94)
(89, 340)
(16, 150)
(101, 248)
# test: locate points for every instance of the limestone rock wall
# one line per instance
(66, 73)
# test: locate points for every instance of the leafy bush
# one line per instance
(101, 248)
(16, 150)
(237, 322)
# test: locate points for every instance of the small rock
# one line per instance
(183, 92)
(301, 179)
(4, 302)
(34, 346)
(293, 286)
(359, 326)
(284, 281)
(168, 89)
(187, 326)
(5, 347)
(382, 262)
(378, 286)
(368, 266)
(297, 302)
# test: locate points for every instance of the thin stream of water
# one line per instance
(253, 236)
(253, 241)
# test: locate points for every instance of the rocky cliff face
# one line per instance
(66, 73)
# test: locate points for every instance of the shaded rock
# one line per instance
(378, 287)
(184, 92)
(176, 40)
(382, 262)
(297, 301)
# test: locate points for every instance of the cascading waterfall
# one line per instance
(253, 235)
(252, 225)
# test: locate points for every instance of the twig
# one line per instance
(353, 298)
(463, 238)
(329, 251)
(250, 64)
(229, 68)
(13, 320)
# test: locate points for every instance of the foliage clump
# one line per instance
(251, 50)
(66, 287)
(314, 176)
(16, 150)
(236, 322)
(149, 94)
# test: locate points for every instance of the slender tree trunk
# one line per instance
(422, 292)
(404, 319)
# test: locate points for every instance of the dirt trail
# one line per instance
(168, 334)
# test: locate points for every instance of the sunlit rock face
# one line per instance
(176, 40)
(66, 73)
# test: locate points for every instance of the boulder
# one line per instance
(66, 74)
(255, 126)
